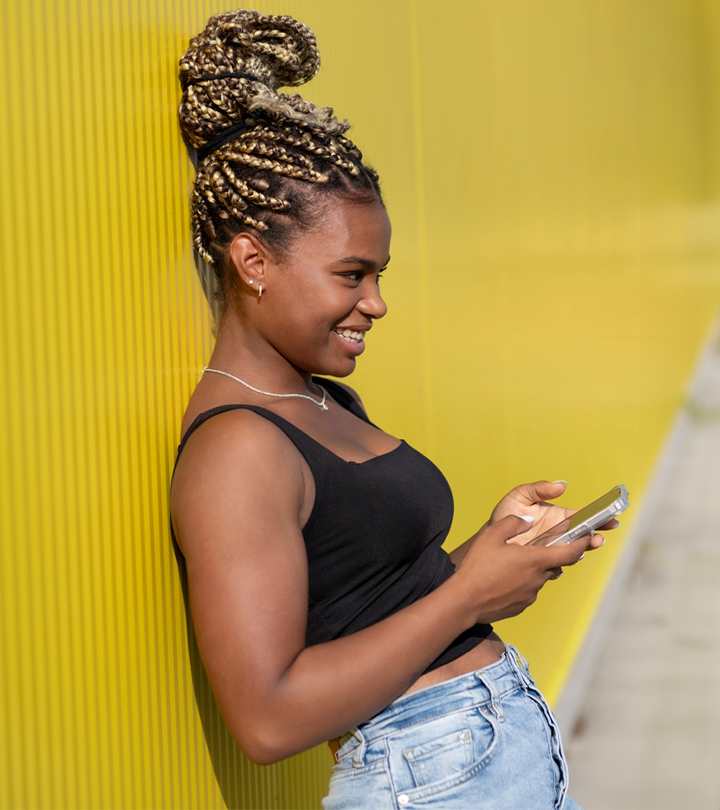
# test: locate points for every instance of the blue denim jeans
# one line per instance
(486, 740)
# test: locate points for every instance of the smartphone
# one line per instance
(586, 520)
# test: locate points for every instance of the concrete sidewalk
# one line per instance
(647, 736)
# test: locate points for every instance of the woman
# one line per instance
(324, 606)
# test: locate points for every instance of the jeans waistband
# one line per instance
(484, 685)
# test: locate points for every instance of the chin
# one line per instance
(341, 368)
(344, 370)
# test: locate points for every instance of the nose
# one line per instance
(372, 303)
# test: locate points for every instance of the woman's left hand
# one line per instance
(532, 499)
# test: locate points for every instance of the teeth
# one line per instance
(350, 335)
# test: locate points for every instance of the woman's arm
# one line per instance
(240, 496)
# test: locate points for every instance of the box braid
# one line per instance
(266, 161)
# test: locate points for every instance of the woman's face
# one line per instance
(320, 301)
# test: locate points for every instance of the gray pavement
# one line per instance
(646, 733)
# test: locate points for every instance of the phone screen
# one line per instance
(579, 517)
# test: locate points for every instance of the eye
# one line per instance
(355, 275)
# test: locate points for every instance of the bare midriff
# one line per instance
(487, 652)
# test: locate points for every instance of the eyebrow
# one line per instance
(369, 263)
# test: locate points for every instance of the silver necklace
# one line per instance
(322, 404)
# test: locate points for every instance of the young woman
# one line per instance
(324, 605)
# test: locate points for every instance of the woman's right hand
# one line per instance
(501, 579)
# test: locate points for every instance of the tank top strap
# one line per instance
(300, 439)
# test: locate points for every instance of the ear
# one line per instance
(250, 259)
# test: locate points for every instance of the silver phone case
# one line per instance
(620, 504)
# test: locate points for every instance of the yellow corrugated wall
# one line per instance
(552, 172)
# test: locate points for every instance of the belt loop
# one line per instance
(519, 664)
(495, 703)
(358, 759)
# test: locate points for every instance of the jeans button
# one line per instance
(403, 799)
(465, 736)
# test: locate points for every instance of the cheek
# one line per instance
(302, 309)
(299, 323)
(316, 308)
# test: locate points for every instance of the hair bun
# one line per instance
(277, 50)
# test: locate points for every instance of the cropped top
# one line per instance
(374, 536)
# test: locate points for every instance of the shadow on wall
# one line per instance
(298, 782)
(227, 760)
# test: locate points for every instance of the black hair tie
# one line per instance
(223, 137)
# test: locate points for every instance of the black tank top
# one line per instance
(374, 536)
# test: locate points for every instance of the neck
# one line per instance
(244, 353)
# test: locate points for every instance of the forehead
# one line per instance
(348, 228)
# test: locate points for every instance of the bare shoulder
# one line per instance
(233, 469)
(237, 431)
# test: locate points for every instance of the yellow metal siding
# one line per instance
(551, 170)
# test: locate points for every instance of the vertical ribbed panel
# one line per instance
(552, 174)
(104, 329)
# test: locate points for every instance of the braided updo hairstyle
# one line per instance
(277, 174)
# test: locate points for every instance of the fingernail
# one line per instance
(617, 522)
(560, 481)
(527, 518)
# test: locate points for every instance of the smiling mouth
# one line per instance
(348, 334)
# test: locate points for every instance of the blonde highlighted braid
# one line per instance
(268, 162)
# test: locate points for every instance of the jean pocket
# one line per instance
(444, 752)
(450, 753)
